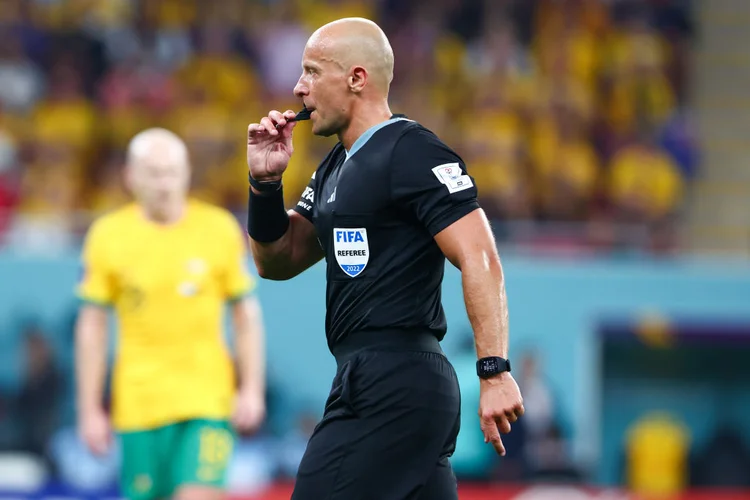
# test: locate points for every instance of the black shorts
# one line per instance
(390, 424)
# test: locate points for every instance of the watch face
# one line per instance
(489, 365)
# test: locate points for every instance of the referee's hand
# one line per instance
(500, 404)
(269, 145)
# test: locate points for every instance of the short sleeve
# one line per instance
(96, 284)
(236, 280)
(304, 206)
(431, 180)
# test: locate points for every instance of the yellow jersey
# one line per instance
(168, 286)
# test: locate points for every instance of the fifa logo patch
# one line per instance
(351, 249)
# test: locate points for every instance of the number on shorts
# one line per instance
(215, 446)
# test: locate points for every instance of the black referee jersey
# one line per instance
(376, 210)
(392, 417)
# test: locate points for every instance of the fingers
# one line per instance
(238, 422)
(277, 118)
(499, 446)
(245, 424)
(492, 435)
(493, 425)
(99, 445)
(503, 425)
(255, 131)
(247, 419)
(286, 132)
(271, 124)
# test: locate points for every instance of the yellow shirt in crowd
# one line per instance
(649, 176)
(657, 450)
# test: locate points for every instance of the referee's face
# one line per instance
(323, 89)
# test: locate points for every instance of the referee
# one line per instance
(386, 207)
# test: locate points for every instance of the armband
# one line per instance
(267, 220)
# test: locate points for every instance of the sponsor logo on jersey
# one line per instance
(187, 289)
(304, 205)
(451, 175)
(197, 266)
(142, 483)
(351, 249)
(332, 198)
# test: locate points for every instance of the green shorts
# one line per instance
(157, 462)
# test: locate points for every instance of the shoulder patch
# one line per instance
(451, 175)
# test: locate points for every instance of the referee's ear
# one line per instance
(358, 79)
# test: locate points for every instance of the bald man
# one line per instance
(167, 265)
(386, 207)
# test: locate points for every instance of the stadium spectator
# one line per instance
(724, 461)
(657, 447)
(38, 402)
(644, 184)
(21, 80)
(540, 96)
(9, 174)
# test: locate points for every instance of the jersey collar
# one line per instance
(362, 140)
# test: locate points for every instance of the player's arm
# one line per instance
(249, 335)
(96, 290)
(90, 358)
(250, 345)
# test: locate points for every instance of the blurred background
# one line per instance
(608, 142)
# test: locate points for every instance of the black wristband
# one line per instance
(264, 187)
(267, 220)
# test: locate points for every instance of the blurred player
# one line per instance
(167, 265)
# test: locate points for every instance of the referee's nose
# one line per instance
(301, 90)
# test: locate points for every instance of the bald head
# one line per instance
(355, 41)
(158, 169)
(347, 69)
(157, 142)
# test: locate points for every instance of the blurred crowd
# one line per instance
(566, 111)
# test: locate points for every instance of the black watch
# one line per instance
(265, 186)
(491, 366)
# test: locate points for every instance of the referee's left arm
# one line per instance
(438, 190)
(469, 245)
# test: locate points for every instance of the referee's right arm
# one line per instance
(294, 252)
(283, 243)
